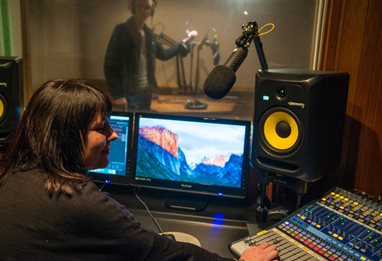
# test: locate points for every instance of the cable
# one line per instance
(106, 182)
(148, 211)
(272, 25)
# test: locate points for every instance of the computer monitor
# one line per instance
(117, 170)
(191, 154)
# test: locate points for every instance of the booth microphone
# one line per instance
(222, 77)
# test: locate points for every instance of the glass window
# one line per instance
(68, 39)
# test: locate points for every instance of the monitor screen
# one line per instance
(118, 168)
(191, 154)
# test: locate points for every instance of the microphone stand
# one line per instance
(199, 104)
(215, 56)
(195, 103)
(192, 103)
(179, 61)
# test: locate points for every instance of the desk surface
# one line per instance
(214, 235)
(215, 227)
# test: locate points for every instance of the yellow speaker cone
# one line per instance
(1, 108)
(281, 130)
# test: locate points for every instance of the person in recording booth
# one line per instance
(49, 207)
(129, 64)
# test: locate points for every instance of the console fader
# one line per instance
(340, 226)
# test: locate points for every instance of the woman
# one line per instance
(49, 210)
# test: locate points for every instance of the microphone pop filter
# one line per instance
(219, 82)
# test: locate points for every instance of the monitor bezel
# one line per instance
(119, 179)
(184, 187)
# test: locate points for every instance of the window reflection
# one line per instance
(68, 39)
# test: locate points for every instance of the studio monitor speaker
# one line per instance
(298, 122)
(11, 97)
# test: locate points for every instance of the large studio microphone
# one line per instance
(222, 77)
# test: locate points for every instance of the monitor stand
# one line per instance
(184, 204)
(184, 237)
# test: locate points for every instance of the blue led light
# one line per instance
(220, 193)
(107, 181)
(217, 219)
(265, 98)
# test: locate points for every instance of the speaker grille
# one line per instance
(3, 107)
(280, 130)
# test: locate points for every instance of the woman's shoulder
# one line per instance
(91, 199)
(103, 211)
(33, 177)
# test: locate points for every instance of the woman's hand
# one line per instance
(262, 252)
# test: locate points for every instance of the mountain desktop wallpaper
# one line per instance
(192, 152)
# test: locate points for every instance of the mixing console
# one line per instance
(340, 226)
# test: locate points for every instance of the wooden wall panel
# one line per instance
(368, 99)
(353, 43)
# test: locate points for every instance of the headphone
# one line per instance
(133, 8)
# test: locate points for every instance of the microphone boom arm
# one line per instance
(260, 52)
(250, 33)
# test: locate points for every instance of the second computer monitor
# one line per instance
(118, 168)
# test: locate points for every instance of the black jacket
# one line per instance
(86, 226)
(122, 58)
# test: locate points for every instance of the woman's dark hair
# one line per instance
(53, 131)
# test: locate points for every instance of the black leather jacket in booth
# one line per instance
(122, 59)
